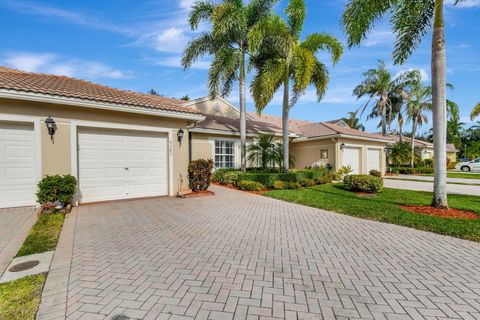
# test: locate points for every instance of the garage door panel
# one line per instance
(373, 159)
(117, 164)
(351, 157)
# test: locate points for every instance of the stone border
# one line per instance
(53, 304)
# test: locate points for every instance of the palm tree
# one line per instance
(384, 91)
(264, 151)
(475, 112)
(399, 154)
(231, 21)
(353, 122)
(411, 20)
(418, 102)
(281, 57)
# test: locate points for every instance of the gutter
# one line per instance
(303, 139)
(46, 98)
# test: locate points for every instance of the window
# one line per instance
(324, 154)
(224, 154)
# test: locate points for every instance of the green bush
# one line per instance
(428, 163)
(267, 179)
(325, 179)
(250, 186)
(375, 173)
(279, 185)
(307, 182)
(410, 170)
(57, 187)
(363, 183)
(199, 174)
(230, 177)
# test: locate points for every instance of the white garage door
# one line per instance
(17, 165)
(373, 160)
(351, 157)
(120, 164)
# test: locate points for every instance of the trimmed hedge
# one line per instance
(57, 187)
(410, 170)
(199, 174)
(375, 173)
(363, 183)
(250, 186)
(279, 185)
(267, 179)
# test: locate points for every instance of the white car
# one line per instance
(469, 166)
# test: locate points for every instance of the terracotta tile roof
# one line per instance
(67, 87)
(422, 143)
(321, 129)
(293, 124)
(233, 125)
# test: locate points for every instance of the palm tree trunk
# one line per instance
(285, 131)
(383, 105)
(243, 112)
(400, 128)
(412, 141)
(439, 109)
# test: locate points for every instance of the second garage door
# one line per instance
(351, 157)
(121, 164)
(373, 159)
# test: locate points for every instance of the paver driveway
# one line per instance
(243, 256)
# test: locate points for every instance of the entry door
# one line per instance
(351, 157)
(121, 164)
(373, 160)
(17, 165)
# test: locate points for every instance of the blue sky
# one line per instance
(137, 45)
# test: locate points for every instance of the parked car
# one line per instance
(469, 166)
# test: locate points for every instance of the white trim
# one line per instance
(219, 132)
(37, 139)
(237, 146)
(38, 97)
(206, 98)
(116, 126)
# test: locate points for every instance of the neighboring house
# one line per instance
(119, 144)
(312, 144)
(426, 148)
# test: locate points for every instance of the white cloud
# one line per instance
(186, 4)
(54, 64)
(172, 39)
(175, 62)
(464, 4)
(377, 38)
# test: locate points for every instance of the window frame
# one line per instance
(223, 163)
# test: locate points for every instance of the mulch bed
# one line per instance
(442, 213)
(230, 186)
(202, 193)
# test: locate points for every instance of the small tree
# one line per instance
(264, 151)
(200, 174)
(399, 154)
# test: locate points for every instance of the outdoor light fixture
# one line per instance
(342, 146)
(180, 134)
(51, 126)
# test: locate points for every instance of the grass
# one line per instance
(458, 175)
(384, 207)
(44, 235)
(19, 299)
(417, 180)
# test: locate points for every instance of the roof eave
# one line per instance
(46, 98)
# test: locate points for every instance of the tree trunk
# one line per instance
(285, 131)
(243, 112)
(439, 109)
(400, 128)
(383, 106)
(412, 142)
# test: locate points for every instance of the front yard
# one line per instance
(385, 207)
(458, 175)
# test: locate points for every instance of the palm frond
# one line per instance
(229, 22)
(267, 80)
(475, 112)
(301, 68)
(320, 79)
(322, 41)
(201, 11)
(296, 12)
(203, 45)
(222, 67)
(256, 9)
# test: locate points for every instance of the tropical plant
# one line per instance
(353, 122)
(231, 21)
(280, 57)
(279, 156)
(475, 111)
(264, 151)
(345, 170)
(411, 21)
(399, 154)
(384, 92)
(454, 126)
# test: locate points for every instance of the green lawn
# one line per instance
(458, 175)
(385, 207)
(19, 299)
(44, 235)
(417, 180)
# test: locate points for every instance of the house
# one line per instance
(312, 144)
(426, 148)
(122, 144)
(119, 144)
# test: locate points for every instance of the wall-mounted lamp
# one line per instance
(342, 146)
(180, 134)
(51, 126)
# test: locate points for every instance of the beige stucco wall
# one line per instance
(56, 155)
(363, 145)
(428, 153)
(307, 153)
(209, 107)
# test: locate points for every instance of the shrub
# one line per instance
(395, 171)
(427, 163)
(363, 183)
(267, 179)
(56, 188)
(230, 177)
(345, 170)
(250, 185)
(279, 185)
(307, 182)
(199, 174)
(410, 170)
(325, 179)
(375, 173)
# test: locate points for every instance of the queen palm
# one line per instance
(411, 20)
(231, 21)
(353, 122)
(475, 112)
(281, 57)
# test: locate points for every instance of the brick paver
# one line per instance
(242, 256)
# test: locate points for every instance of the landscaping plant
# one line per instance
(199, 174)
(375, 173)
(363, 183)
(56, 188)
(250, 186)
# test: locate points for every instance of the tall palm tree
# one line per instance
(382, 89)
(475, 112)
(353, 122)
(281, 57)
(411, 20)
(231, 21)
(419, 101)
